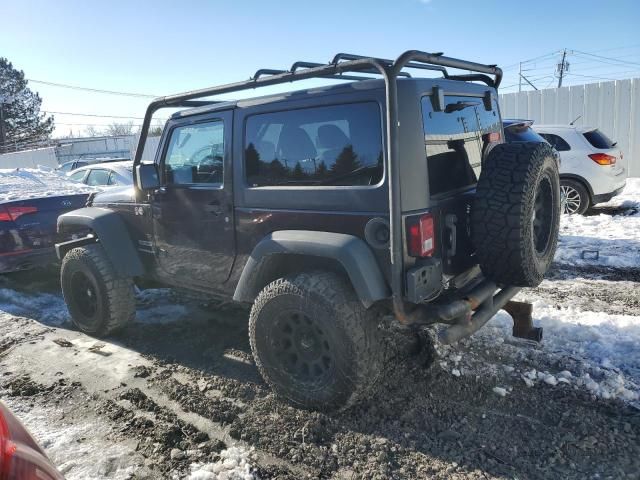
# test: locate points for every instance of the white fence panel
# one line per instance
(613, 107)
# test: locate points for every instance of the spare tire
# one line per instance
(516, 213)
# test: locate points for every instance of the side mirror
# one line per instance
(147, 177)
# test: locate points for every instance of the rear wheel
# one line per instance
(575, 197)
(100, 300)
(313, 341)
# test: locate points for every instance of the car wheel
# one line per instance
(516, 213)
(313, 341)
(100, 301)
(575, 198)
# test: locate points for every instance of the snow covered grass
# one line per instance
(23, 183)
(604, 240)
(234, 464)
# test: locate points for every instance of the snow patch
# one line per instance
(24, 183)
(235, 463)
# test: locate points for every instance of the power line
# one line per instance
(602, 58)
(98, 116)
(95, 90)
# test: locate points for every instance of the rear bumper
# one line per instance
(605, 197)
(26, 259)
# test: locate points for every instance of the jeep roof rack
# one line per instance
(341, 63)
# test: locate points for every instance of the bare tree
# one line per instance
(119, 129)
(92, 131)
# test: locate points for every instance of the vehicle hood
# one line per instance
(123, 194)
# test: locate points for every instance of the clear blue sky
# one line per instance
(161, 47)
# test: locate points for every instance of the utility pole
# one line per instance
(562, 67)
(520, 78)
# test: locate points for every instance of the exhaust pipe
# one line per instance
(486, 310)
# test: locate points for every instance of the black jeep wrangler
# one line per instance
(326, 209)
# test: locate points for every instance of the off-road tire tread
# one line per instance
(121, 302)
(500, 212)
(359, 324)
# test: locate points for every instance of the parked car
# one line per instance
(516, 130)
(590, 172)
(104, 174)
(28, 214)
(329, 211)
(71, 165)
(22, 458)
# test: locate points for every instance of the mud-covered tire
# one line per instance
(100, 301)
(575, 197)
(516, 213)
(314, 343)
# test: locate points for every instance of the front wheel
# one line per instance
(100, 300)
(313, 341)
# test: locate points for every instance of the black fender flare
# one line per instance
(351, 252)
(110, 230)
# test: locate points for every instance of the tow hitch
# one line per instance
(522, 323)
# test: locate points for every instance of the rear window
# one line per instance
(333, 145)
(454, 140)
(516, 133)
(597, 139)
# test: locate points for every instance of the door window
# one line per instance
(195, 155)
(97, 177)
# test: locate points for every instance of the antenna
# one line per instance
(575, 119)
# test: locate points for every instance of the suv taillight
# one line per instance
(603, 159)
(421, 236)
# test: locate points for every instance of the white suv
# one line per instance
(590, 171)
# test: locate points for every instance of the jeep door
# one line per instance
(192, 210)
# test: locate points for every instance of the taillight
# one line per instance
(421, 237)
(603, 158)
(13, 212)
(20, 456)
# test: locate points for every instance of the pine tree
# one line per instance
(298, 173)
(346, 162)
(322, 170)
(23, 121)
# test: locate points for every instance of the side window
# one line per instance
(78, 176)
(333, 145)
(113, 179)
(556, 142)
(97, 177)
(455, 140)
(66, 167)
(195, 154)
(80, 164)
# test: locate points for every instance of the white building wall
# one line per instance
(613, 107)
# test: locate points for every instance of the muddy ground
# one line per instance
(176, 393)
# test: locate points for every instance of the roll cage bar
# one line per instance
(342, 63)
